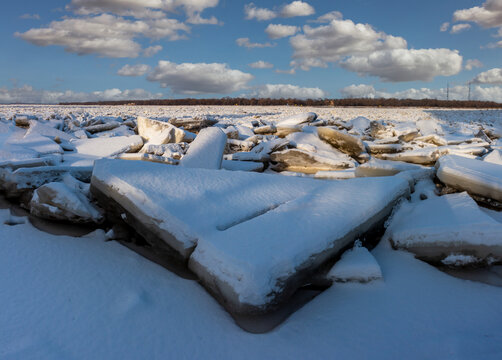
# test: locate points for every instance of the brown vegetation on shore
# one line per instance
(427, 103)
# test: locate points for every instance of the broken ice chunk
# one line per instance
(377, 167)
(158, 132)
(427, 156)
(346, 143)
(310, 162)
(242, 165)
(206, 151)
(297, 119)
(57, 201)
(450, 224)
(495, 157)
(475, 176)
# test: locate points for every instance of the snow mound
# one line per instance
(356, 264)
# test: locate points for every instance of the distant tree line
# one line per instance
(363, 102)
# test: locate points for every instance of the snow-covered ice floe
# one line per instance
(444, 226)
(256, 236)
(257, 263)
(474, 176)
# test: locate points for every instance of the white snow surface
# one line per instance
(84, 298)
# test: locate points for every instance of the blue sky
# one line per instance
(66, 50)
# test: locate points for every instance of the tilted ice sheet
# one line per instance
(254, 257)
(189, 203)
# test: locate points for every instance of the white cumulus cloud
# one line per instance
(30, 17)
(328, 17)
(406, 64)
(151, 50)
(245, 42)
(260, 14)
(455, 29)
(444, 27)
(277, 31)
(199, 78)
(473, 63)
(28, 95)
(492, 76)
(279, 91)
(329, 43)
(459, 92)
(134, 70)
(359, 91)
(297, 8)
(106, 35)
(488, 15)
(260, 64)
(111, 28)
(142, 8)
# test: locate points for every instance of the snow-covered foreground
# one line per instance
(82, 298)
(332, 176)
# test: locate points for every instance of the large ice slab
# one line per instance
(446, 225)
(57, 201)
(474, 176)
(206, 151)
(158, 132)
(256, 264)
(177, 205)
